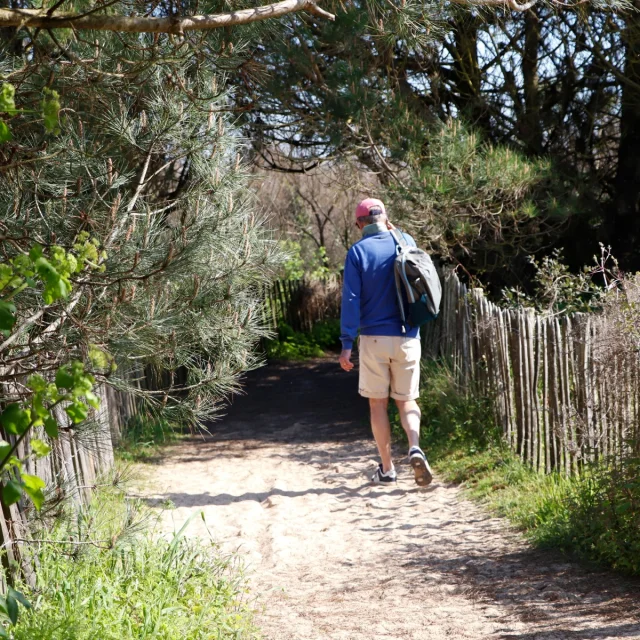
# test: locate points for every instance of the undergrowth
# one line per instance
(124, 584)
(143, 437)
(595, 516)
(297, 345)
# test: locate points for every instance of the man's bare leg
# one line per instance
(381, 430)
(410, 418)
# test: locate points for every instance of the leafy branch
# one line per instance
(50, 274)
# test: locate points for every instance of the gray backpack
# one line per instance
(416, 275)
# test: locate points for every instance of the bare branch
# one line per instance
(506, 4)
(40, 18)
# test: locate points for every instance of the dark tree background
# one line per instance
(558, 88)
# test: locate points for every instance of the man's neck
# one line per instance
(373, 229)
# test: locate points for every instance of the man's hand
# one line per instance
(345, 360)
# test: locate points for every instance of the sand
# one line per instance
(283, 480)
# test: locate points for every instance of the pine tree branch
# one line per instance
(40, 18)
(521, 7)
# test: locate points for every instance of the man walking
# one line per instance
(389, 352)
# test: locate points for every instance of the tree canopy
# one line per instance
(557, 88)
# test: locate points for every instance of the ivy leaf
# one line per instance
(6, 274)
(56, 286)
(78, 411)
(33, 487)
(37, 383)
(5, 447)
(12, 609)
(40, 448)
(7, 317)
(51, 111)
(15, 419)
(19, 597)
(39, 408)
(3, 633)
(11, 493)
(35, 252)
(99, 358)
(7, 99)
(92, 399)
(51, 427)
(5, 136)
(65, 378)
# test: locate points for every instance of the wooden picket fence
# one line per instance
(302, 303)
(78, 459)
(562, 395)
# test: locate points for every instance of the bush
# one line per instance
(595, 516)
(603, 520)
(327, 334)
(136, 587)
(143, 436)
(453, 421)
(296, 345)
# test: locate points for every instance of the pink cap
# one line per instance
(366, 205)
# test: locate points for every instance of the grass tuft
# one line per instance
(143, 438)
(132, 587)
(595, 516)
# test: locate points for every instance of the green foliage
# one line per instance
(327, 333)
(297, 266)
(149, 162)
(47, 271)
(140, 587)
(557, 290)
(603, 519)
(461, 194)
(9, 609)
(143, 438)
(73, 388)
(296, 345)
(49, 109)
(452, 419)
(293, 266)
(49, 274)
(595, 516)
(8, 99)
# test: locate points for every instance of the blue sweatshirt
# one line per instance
(369, 298)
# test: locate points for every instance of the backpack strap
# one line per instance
(401, 244)
(399, 238)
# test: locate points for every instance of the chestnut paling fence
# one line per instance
(78, 460)
(562, 393)
(302, 303)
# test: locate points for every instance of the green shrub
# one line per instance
(137, 587)
(603, 521)
(595, 516)
(327, 334)
(143, 436)
(296, 345)
(452, 420)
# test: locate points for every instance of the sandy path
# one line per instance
(284, 480)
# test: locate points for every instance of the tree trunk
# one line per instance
(468, 75)
(624, 232)
(530, 126)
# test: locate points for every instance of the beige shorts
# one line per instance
(389, 362)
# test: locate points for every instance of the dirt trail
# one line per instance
(284, 480)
